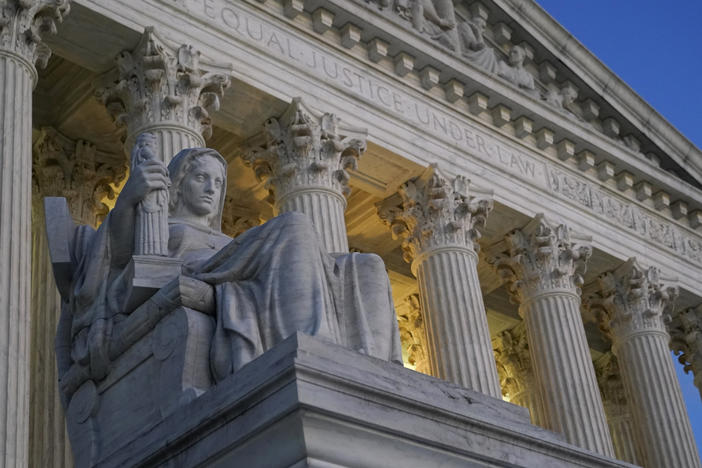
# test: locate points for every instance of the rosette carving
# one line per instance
(541, 257)
(433, 211)
(303, 149)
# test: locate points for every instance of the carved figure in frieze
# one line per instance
(436, 18)
(245, 294)
(513, 70)
(563, 99)
(473, 46)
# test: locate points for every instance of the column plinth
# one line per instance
(633, 303)
(304, 157)
(21, 48)
(543, 265)
(439, 220)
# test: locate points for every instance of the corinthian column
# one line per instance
(439, 220)
(686, 333)
(543, 265)
(74, 170)
(621, 424)
(166, 91)
(304, 157)
(634, 304)
(22, 22)
(515, 370)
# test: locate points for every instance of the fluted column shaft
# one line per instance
(326, 210)
(543, 264)
(622, 429)
(48, 441)
(658, 410)
(17, 77)
(563, 370)
(171, 139)
(632, 304)
(304, 156)
(457, 332)
(621, 425)
(530, 398)
(438, 219)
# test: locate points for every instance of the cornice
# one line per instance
(598, 76)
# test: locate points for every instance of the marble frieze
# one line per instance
(501, 152)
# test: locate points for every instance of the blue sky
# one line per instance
(655, 47)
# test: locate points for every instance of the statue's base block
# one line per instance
(309, 403)
(148, 274)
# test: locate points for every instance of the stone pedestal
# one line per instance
(20, 48)
(544, 266)
(309, 403)
(438, 220)
(634, 302)
(304, 156)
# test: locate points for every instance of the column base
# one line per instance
(310, 403)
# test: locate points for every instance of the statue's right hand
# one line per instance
(146, 177)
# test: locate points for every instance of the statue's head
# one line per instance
(517, 54)
(198, 185)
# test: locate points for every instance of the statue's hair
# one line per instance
(180, 165)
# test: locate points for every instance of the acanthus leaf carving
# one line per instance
(76, 171)
(541, 257)
(23, 22)
(632, 299)
(432, 211)
(412, 333)
(158, 83)
(513, 361)
(303, 149)
(611, 385)
(686, 341)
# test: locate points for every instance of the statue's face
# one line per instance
(201, 188)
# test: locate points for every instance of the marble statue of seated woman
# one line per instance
(261, 287)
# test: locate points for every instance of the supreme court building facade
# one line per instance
(540, 223)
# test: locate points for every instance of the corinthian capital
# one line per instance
(513, 361)
(76, 170)
(432, 211)
(630, 299)
(610, 382)
(157, 84)
(541, 257)
(686, 340)
(305, 149)
(23, 22)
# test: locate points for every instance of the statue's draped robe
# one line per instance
(269, 282)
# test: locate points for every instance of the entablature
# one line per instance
(280, 57)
